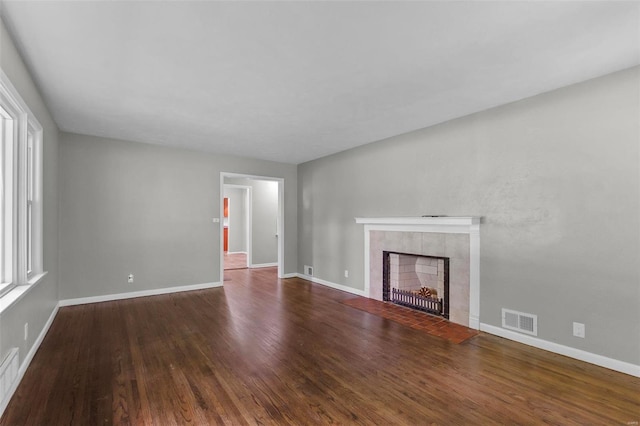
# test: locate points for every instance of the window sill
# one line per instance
(18, 292)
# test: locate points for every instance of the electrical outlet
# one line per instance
(578, 329)
(26, 330)
(130, 279)
(346, 273)
(308, 270)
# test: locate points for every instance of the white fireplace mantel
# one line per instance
(457, 224)
(442, 224)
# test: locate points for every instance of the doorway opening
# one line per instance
(236, 226)
(251, 208)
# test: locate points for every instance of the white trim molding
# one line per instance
(21, 204)
(335, 286)
(133, 294)
(441, 224)
(602, 361)
(27, 360)
(463, 222)
(14, 295)
(263, 265)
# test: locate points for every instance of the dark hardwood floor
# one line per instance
(264, 351)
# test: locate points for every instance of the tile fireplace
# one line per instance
(451, 240)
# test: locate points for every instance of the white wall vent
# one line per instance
(519, 321)
(308, 270)
(8, 376)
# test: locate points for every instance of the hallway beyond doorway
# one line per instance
(235, 261)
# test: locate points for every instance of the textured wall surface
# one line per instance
(556, 180)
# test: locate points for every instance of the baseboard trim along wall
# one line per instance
(263, 265)
(27, 360)
(602, 361)
(143, 293)
(330, 284)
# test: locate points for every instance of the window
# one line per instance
(7, 125)
(29, 189)
(20, 191)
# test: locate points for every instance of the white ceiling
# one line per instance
(295, 81)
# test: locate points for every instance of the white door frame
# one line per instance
(279, 223)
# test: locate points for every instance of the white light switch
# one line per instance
(216, 220)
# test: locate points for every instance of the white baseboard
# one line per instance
(263, 265)
(293, 275)
(27, 360)
(330, 284)
(130, 295)
(602, 361)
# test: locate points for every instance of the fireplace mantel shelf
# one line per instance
(441, 220)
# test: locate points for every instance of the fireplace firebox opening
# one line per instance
(416, 281)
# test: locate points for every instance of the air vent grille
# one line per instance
(8, 376)
(520, 321)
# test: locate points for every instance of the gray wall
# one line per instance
(39, 303)
(264, 215)
(135, 208)
(555, 178)
(237, 219)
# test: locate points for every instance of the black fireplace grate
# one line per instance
(416, 301)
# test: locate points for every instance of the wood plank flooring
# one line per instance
(235, 261)
(268, 351)
(434, 325)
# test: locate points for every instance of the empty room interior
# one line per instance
(319, 212)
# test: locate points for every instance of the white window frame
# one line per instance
(21, 192)
(7, 126)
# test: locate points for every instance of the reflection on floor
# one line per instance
(235, 261)
(436, 326)
(287, 351)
